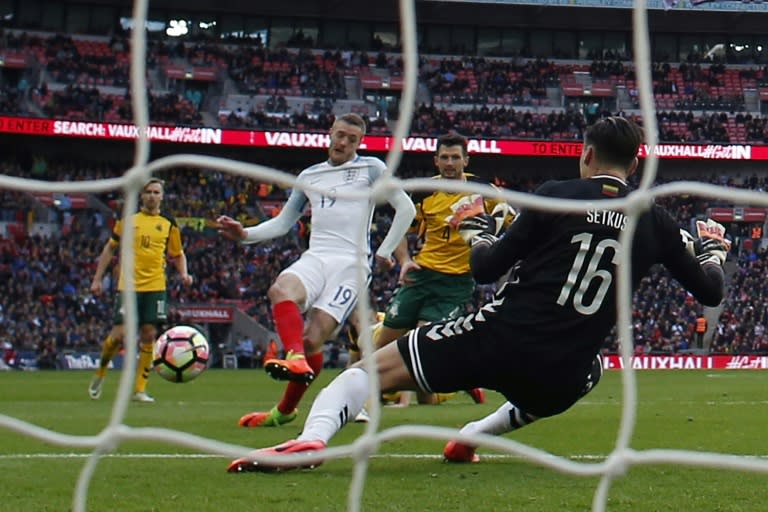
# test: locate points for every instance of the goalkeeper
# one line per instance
(538, 341)
(436, 283)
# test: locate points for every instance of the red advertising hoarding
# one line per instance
(374, 143)
(218, 314)
(689, 362)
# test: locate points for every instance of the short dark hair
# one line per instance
(151, 181)
(616, 140)
(353, 119)
(452, 139)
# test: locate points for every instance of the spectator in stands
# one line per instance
(193, 193)
(701, 329)
(245, 351)
(10, 356)
(46, 355)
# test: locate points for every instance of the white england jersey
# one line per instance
(336, 221)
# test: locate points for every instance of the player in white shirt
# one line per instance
(323, 282)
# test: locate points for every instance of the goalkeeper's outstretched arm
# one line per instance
(490, 261)
(698, 264)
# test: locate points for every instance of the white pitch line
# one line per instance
(617, 402)
(27, 456)
(407, 456)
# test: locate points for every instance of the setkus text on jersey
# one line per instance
(608, 218)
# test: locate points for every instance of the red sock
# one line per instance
(295, 390)
(289, 325)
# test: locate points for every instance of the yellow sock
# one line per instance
(442, 397)
(389, 398)
(144, 366)
(108, 351)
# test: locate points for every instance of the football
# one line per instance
(180, 354)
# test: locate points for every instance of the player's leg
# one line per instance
(354, 329)
(354, 356)
(423, 359)
(109, 348)
(445, 299)
(422, 397)
(297, 365)
(401, 315)
(386, 335)
(509, 417)
(292, 291)
(147, 337)
(320, 327)
(330, 287)
(288, 295)
(505, 419)
(334, 406)
(152, 310)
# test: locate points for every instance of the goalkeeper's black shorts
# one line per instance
(465, 353)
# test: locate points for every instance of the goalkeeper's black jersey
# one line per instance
(560, 298)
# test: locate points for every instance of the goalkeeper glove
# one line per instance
(711, 229)
(709, 250)
(712, 246)
(478, 229)
(503, 214)
(688, 241)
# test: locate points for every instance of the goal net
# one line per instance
(622, 456)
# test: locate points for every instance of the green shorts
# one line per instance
(429, 297)
(152, 308)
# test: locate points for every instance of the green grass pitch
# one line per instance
(722, 412)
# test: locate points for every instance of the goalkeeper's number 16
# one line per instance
(593, 272)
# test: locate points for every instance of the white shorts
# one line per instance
(330, 282)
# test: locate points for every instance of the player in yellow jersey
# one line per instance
(155, 235)
(436, 283)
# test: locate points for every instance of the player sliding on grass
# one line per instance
(324, 280)
(537, 341)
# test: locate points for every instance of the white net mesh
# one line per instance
(622, 456)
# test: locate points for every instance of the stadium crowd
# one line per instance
(45, 304)
(742, 322)
(698, 101)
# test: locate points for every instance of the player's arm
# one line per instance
(105, 258)
(500, 208)
(695, 264)
(407, 264)
(490, 259)
(402, 254)
(176, 254)
(180, 262)
(401, 222)
(273, 228)
(493, 254)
